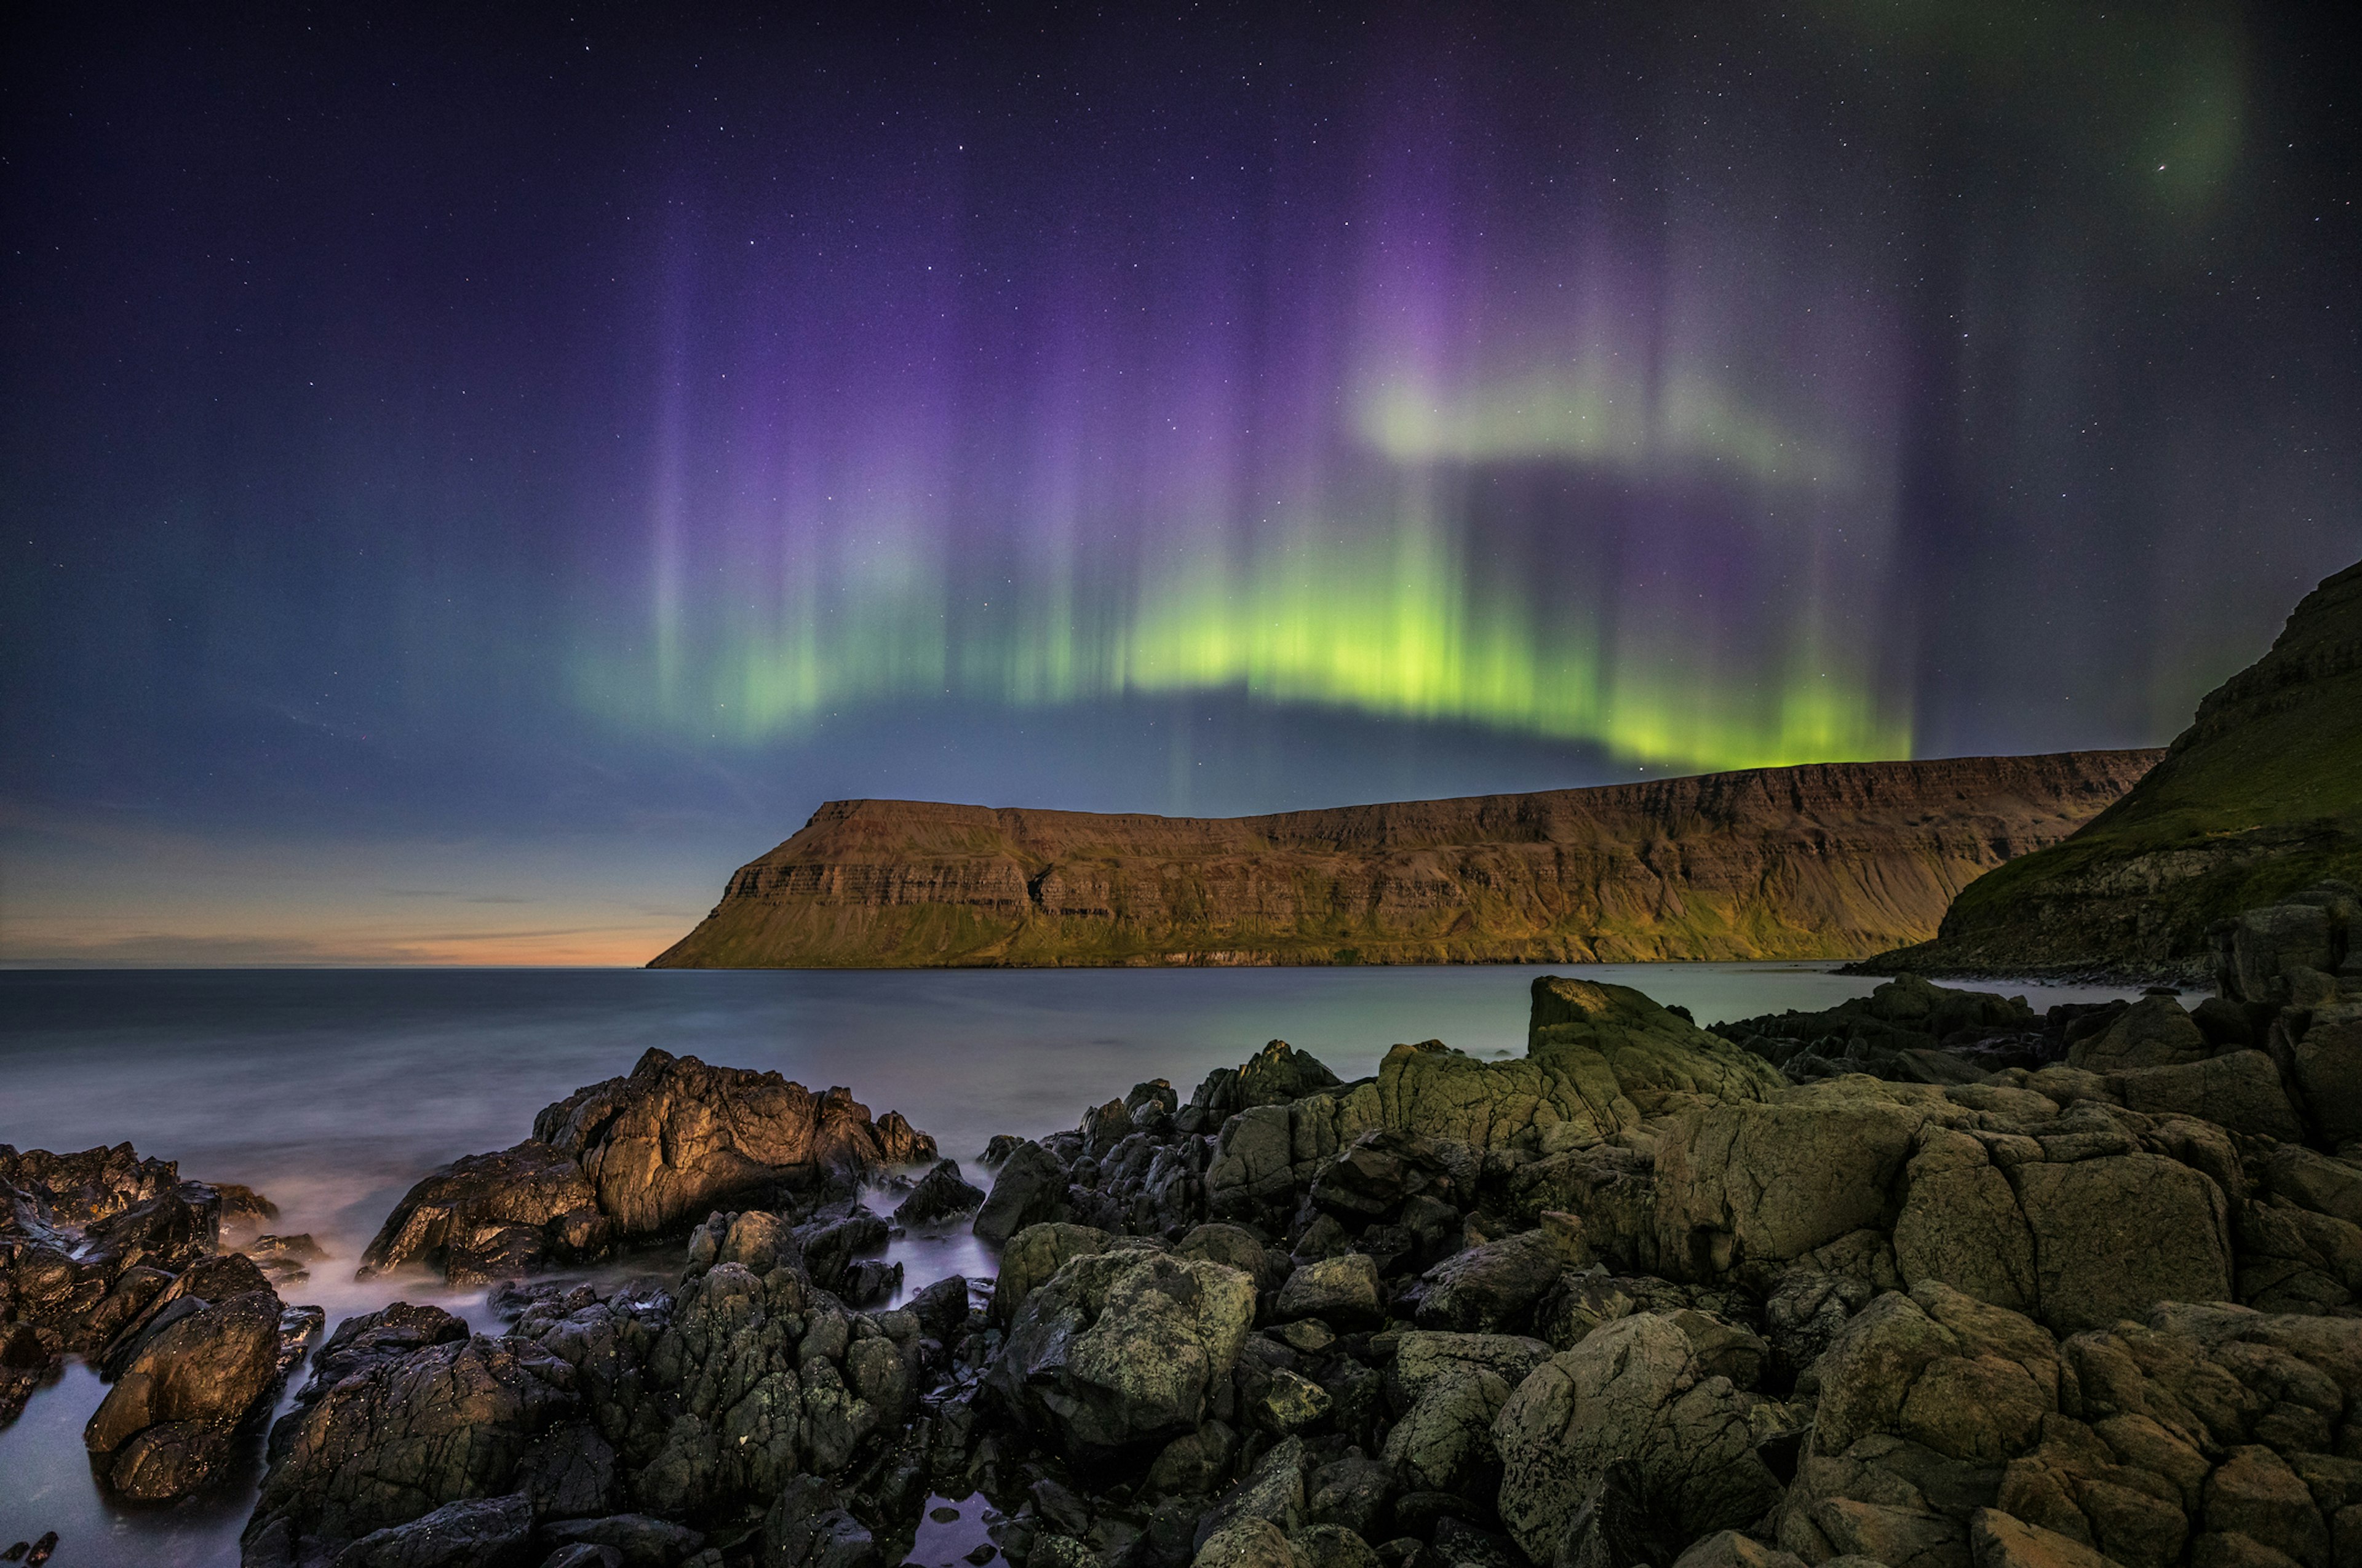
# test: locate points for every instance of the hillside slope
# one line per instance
(1831, 860)
(2261, 796)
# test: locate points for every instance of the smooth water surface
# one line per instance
(331, 1091)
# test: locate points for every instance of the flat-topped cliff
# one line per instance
(1832, 860)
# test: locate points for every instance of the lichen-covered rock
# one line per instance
(2115, 1235)
(1033, 1255)
(1631, 1391)
(1752, 1182)
(2153, 1032)
(490, 1217)
(1280, 1073)
(1125, 1347)
(2239, 1089)
(1343, 1292)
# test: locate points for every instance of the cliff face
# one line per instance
(1833, 860)
(2261, 796)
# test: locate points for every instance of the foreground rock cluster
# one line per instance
(2032, 1293)
(638, 1157)
(114, 1259)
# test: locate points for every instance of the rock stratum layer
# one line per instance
(1828, 861)
(2259, 797)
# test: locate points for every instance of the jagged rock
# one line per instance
(1444, 1441)
(940, 1195)
(1490, 1287)
(401, 1436)
(491, 1217)
(1272, 1494)
(1123, 1347)
(1343, 1292)
(490, 1533)
(1030, 1189)
(377, 1339)
(808, 1525)
(1280, 1073)
(1631, 1390)
(676, 1139)
(163, 1429)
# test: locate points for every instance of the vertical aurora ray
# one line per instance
(1430, 451)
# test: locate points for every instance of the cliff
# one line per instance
(2259, 797)
(1831, 860)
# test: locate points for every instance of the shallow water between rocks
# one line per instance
(331, 1091)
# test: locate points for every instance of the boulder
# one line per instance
(491, 1217)
(1381, 1170)
(1122, 1348)
(942, 1194)
(2329, 1069)
(1235, 1246)
(1631, 1390)
(676, 1139)
(1031, 1257)
(1493, 1286)
(2153, 1032)
(1997, 1540)
(1343, 1292)
(641, 1541)
(1030, 1189)
(184, 1393)
(2115, 1235)
(1767, 1183)
(2239, 1089)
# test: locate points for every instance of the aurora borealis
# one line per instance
(441, 451)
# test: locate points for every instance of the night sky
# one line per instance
(471, 479)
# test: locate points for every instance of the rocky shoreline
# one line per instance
(1926, 1279)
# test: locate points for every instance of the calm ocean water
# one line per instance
(333, 1090)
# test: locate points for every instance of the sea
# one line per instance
(332, 1091)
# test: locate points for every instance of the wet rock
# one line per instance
(401, 1436)
(1271, 1494)
(808, 1525)
(1029, 1189)
(490, 1217)
(676, 1139)
(162, 1429)
(942, 1194)
(1120, 1348)
(377, 1339)
(640, 1541)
